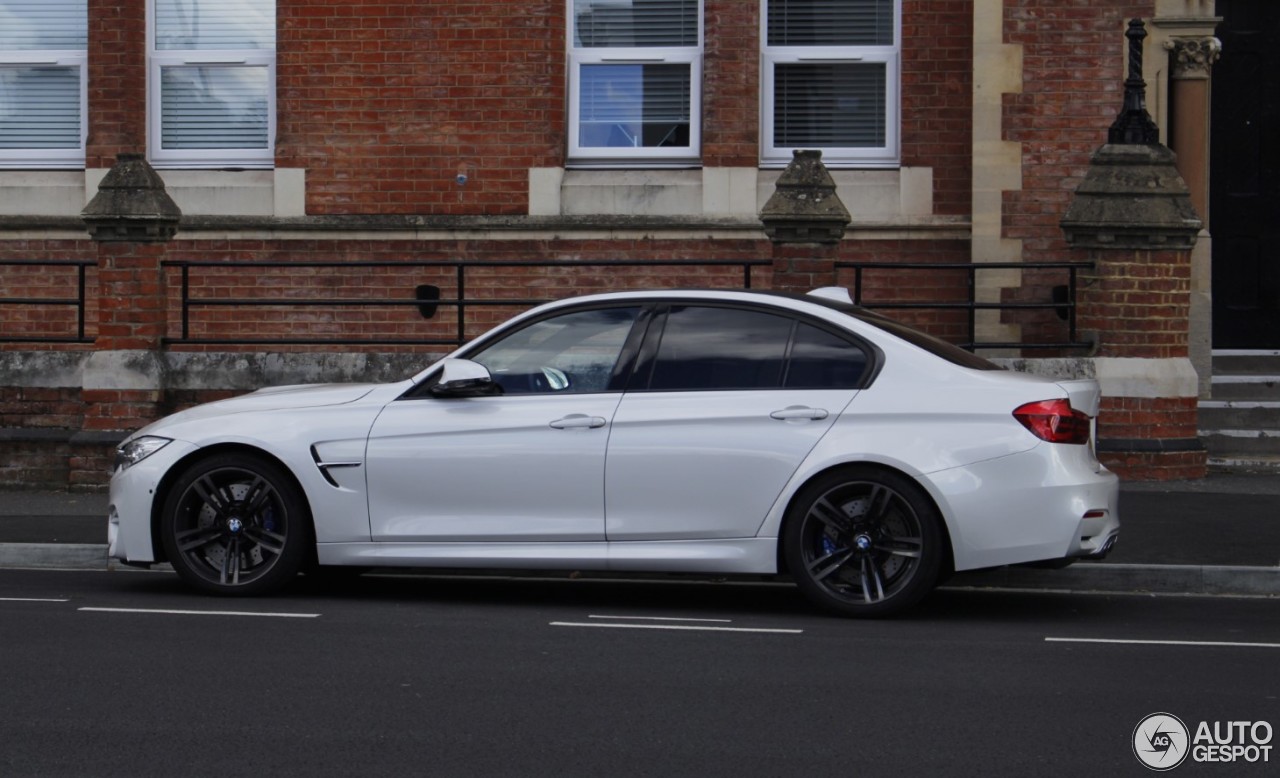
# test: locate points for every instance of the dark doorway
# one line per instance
(1244, 188)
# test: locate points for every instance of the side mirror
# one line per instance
(464, 378)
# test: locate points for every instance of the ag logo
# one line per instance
(1160, 741)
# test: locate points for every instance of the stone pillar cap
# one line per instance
(804, 207)
(1132, 198)
(132, 204)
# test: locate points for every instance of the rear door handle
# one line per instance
(799, 412)
(578, 421)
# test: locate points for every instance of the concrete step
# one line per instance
(1238, 443)
(1255, 386)
(1240, 422)
(1239, 362)
(1240, 414)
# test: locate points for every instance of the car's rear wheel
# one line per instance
(863, 542)
(235, 524)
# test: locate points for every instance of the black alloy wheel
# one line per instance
(863, 542)
(236, 524)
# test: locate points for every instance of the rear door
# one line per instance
(725, 405)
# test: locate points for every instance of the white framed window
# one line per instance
(635, 82)
(43, 75)
(830, 81)
(211, 83)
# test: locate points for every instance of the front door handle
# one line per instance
(578, 421)
(799, 413)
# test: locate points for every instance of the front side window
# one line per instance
(634, 81)
(572, 353)
(43, 58)
(830, 81)
(212, 83)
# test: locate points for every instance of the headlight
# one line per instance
(131, 452)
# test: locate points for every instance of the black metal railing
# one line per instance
(461, 302)
(1064, 303)
(81, 268)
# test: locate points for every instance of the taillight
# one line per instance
(1055, 421)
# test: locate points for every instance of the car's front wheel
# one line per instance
(235, 524)
(863, 542)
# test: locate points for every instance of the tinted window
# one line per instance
(720, 348)
(573, 352)
(822, 360)
(936, 346)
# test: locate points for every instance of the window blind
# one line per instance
(215, 24)
(39, 107)
(635, 105)
(635, 23)
(43, 45)
(829, 105)
(27, 25)
(214, 107)
(830, 22)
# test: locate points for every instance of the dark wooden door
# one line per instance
(1244, 189)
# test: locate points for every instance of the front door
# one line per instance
(524, 466)
(1244, 196)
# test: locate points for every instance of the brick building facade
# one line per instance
(372, 139)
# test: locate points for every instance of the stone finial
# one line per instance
(1134, 124)
(132, 205)
(804, 207)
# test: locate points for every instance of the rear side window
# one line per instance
(704, 348)
(823, 360)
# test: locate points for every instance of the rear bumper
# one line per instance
(1053, 502)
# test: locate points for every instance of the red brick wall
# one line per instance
(1150, 419)
(937, 97)
(1073, 59)
(41, 282)
(117, 80)
(385, 103)
(731, 84)
(1138, 303)
(40, 407)
(889, 286)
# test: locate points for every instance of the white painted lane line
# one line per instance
(29, 599)
(684, 627)
(1211, 643)
(661, 618)
(203, 613)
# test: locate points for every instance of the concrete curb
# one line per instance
(1155, 579)
(74, 556)
(1081, 577)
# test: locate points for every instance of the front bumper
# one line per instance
(131, 502)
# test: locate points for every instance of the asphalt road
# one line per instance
(127, 673)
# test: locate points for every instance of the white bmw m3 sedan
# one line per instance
(705, 432)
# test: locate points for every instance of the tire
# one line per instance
(863, 542)
(236, 524)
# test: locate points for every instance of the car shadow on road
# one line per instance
(676, 596)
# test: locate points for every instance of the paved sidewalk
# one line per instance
(1219, 535)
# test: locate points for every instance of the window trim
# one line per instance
(261, 159)
(51, 159)
(655, 156)
(887, 156)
